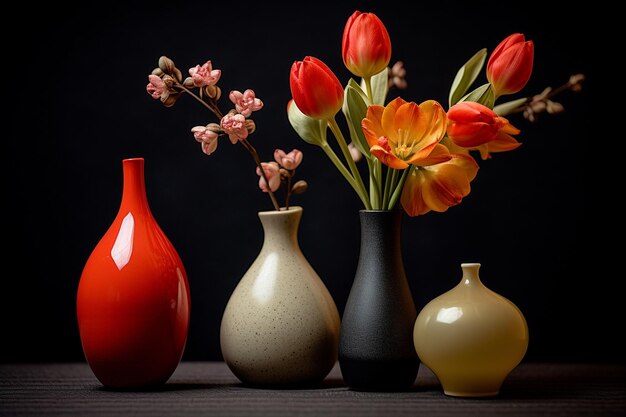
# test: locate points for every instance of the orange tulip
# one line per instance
(404, 133)
(474, 126)
(438, 187)
(316, 90)
(510, 65)
(366, 47)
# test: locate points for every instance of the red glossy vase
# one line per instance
(133, 297)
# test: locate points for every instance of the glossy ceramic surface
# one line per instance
(471, 337)
(133, 296)
(281, 325)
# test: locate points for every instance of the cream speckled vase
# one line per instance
(281, 325)
(471, 337)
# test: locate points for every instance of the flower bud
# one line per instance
(284, 174)
(158, 72)
(178, 75)
(216, 128)
(213, 91)
(169, 81)
(575, 82)
(316, 90)
(170, 100)
(510, 65)
(365, 47)
(188, 82)
(250, 125)
(166, 64)
(552, 107)
(299, 187)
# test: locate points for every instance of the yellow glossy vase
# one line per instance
(471, 337)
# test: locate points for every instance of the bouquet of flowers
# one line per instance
(418, 154)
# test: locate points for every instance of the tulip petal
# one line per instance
(388, 119)
(503, 142)
(438, 187)
(436, 121)
(471, 135)
(436, 154)
(315, 88)
(387, 158)
(372, 127)
(411, 199)
(466, 163)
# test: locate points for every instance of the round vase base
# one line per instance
(382, 375)
(468, 394)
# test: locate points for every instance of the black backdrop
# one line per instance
(75, 88)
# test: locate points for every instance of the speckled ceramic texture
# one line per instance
(471, 337)
(281, 325)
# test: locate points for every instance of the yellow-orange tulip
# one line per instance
(438, 187)
(404, 133)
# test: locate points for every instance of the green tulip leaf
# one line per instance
(355, 110)
(466, 76)
(311, 130)
(506, 108)
(483, 95)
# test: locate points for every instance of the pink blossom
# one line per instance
(272, 172)
(156, 88)
(206, 137)
(289, 160)
(246, 102)
(235, 126)
(204, 75)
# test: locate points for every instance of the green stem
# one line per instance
(387, 186)
(344, 171)
(368, 88)
(341, 140)
(392, 185)
(398, 190)
(374, 184)
(378, 178)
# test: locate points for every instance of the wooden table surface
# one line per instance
(210, 389)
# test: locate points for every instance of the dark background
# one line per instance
(74, 83)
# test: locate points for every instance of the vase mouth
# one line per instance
(137, 158)
(379, 211)
(283, 211)
(470, 265)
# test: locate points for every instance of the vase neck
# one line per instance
(134, 196)
(281, 227)
(380, 231)
(470, 274)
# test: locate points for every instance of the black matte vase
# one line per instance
(376, 348)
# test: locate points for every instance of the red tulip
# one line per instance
(474, 126)
(510, 65)
(315, 88)
(366, 47)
